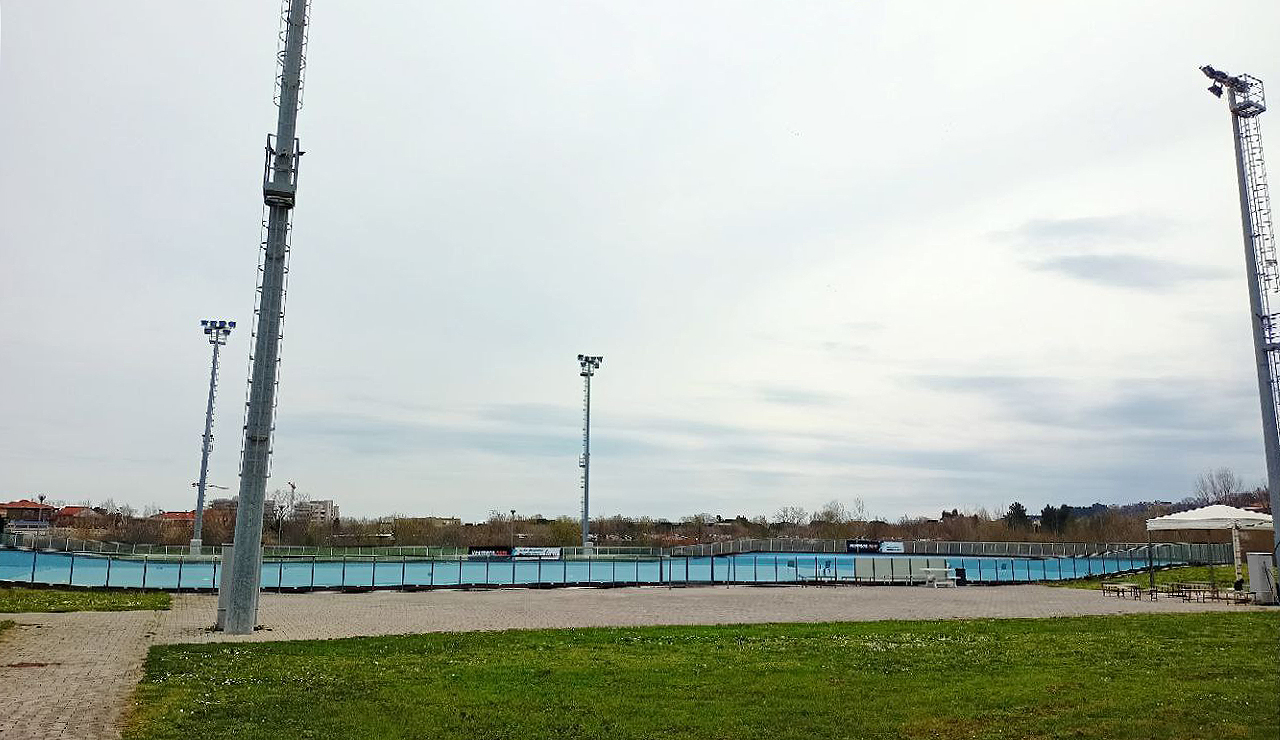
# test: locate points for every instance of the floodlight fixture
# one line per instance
(217, 329)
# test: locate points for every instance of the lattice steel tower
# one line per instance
(217, 331)
(589, 365)
(1246, 102)
(279, 186)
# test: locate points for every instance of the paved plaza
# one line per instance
(69, 676)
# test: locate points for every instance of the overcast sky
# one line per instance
(929, 255)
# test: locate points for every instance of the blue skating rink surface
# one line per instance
(174, 572)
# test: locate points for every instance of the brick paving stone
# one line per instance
(69, 676)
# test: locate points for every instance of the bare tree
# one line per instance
(1217, 486)
(792, 516)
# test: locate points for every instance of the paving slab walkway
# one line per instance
(70, 676)
(322, 615)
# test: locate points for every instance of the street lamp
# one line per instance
(217, 331)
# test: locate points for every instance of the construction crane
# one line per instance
(1246, 102)
(238, 609)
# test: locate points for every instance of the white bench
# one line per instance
(939, 577)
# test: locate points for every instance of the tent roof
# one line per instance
(1212, 517)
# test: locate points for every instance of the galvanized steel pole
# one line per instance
(278, 189)
(217, 332)
(589, 365)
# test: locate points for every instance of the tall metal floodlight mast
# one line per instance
(217, 331)
(589, 365)
(279, 185)
(1246, 102)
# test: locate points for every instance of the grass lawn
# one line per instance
(1148, 676)
(1223, 575)
(20, 599)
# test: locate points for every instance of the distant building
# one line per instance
(324, 513)
(231, 505)
(431, 521)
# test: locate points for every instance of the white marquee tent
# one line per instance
(1212, 517)
(1216, 517)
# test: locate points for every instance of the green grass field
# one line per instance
(1223, 575)
(1150, 676)
(18, 599)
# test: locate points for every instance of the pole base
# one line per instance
(196, 545)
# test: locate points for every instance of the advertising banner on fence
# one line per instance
(862, 545)
(484, 551)
(537, 553)
(892, 547)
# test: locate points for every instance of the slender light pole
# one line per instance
(1246, 102)
(217, 331)
(589, 365)
(513, 533)
(279, 189)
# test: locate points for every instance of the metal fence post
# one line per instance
(344, 570)
(107, 583)
(34, 553)
(181, 559)
(144, 570)
(72, 573)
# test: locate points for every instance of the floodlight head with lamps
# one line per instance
(1216, 89)
(217, 329)
(589, 363)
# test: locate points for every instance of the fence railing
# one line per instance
(1194, 553)
(1197, 553)
(183, 572)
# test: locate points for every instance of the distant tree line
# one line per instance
(834, 520)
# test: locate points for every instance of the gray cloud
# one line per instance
(1129, 270)
(1087, 231)
(1140, 410)
(797, 396)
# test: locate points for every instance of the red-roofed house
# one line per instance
(27, 510)
(176, 517)
(83, 517)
